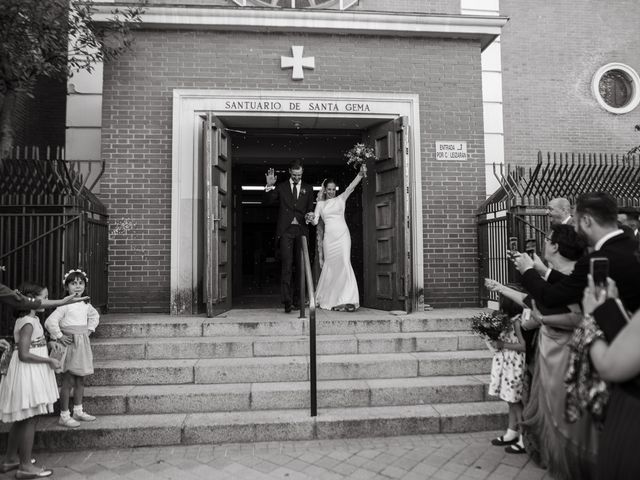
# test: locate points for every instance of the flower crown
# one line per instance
(77, 270)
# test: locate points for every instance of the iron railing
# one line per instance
(518, 207)
(50, 222)
(306, 265)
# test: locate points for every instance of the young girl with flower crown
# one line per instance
(28, 389)
(507, 375)
(71, 325)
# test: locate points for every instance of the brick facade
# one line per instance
(137, 129)
(550, 52)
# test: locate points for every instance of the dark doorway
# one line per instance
(257, 284)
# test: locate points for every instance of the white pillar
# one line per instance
(84, 116)
(491, 92)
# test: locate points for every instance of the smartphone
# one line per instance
(611, 317)
(530, 246)
(513, 244)
(599, 269)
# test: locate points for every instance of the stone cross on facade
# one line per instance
(297, 62)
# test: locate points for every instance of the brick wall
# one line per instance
(136, 139)
(550, 52)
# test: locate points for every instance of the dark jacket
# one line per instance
(289, 207)
(561, 289)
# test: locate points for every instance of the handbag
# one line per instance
(58, 351)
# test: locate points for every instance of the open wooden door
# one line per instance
(386, 219)
(217, 221)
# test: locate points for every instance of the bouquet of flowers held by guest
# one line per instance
(489, 326)
(359, 154)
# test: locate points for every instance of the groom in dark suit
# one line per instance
(295, 201)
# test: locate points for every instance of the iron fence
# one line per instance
(518, 207)
(50, 222)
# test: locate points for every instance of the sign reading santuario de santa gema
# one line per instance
(287, 105)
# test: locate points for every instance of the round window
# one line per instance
(616, 88)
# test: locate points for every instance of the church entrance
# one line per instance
(241, 265)
(223, 245)
(257, 284)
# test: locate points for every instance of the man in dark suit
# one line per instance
(629, 221)
(295, 201)
(596, 220)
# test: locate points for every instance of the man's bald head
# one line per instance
(558, 210)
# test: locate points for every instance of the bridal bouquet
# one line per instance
(490, 326)
(359, 154)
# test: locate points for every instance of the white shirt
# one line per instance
(601, 242)
(76, 314)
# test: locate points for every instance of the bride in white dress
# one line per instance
(337, 287)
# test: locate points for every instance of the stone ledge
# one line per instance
(126, 431)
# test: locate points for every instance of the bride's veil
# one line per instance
(320, 227)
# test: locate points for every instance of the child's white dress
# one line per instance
(28, 389)
(78, 321)
(507, 370)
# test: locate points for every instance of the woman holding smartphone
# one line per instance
(619, 364)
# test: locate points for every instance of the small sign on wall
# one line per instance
(451, 150)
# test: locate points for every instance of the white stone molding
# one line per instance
(484, 28)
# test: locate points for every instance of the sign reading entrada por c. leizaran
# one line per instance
(296, 105)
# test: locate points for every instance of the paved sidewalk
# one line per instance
(466, 456)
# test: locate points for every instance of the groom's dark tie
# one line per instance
(295, 191)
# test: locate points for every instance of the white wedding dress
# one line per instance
(337, 284)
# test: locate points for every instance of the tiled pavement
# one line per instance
(467, 456)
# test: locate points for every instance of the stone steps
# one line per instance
(158, 348)
(244, 376)
(250, 323)
(125, 431)
(146, 399)
(289, 369)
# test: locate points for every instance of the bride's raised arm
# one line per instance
(352, 186)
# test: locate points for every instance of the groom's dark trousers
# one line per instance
(290, 248)
(288, 230)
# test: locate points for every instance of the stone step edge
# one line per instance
(293, 368)
(185, 348)
(235, 316)
(261, 327)
(283, 338)
(285, 359)
(132, 399)
(127, 431)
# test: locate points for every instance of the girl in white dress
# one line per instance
(28, 389)
(337, 288)
(71, 325)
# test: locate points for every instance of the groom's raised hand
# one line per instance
(271, 177)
